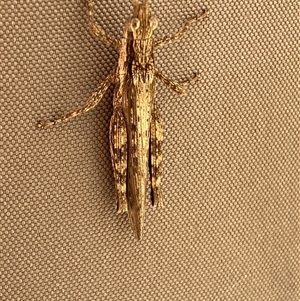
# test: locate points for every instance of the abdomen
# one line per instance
(138, 119)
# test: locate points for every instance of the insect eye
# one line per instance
(153, 22)
(135, 23)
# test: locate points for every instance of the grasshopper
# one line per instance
(136, 133)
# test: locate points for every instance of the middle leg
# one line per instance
(91, 103)
(177, 87)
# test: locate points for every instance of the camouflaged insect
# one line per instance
(136, 134)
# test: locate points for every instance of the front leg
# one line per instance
(177, 87)
(181, 33)
(91, 103)
(97, 30)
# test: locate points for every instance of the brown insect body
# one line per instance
(137, 77)
(135, 127)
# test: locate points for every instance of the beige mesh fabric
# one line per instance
(228, 230)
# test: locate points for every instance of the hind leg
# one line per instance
(156, 139)
(118, 150)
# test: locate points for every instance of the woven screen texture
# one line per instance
(229, 227)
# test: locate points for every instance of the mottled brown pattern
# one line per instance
(118, 149)
(118, 131)
(135, 114)
(156, 140)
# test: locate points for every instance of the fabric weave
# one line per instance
(229, 227)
